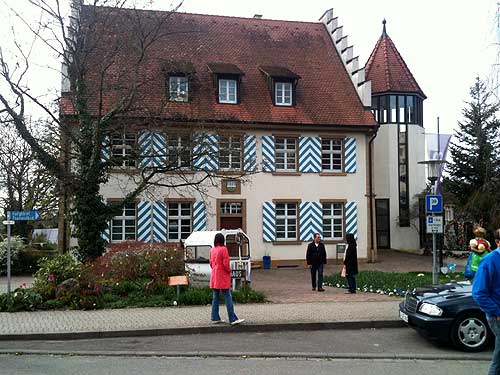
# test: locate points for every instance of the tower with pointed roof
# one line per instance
(397, 104)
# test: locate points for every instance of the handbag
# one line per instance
(343, 273)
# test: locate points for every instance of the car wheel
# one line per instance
(470, 332)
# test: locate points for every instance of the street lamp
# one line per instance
(433, 170)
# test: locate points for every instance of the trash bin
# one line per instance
(266, 262)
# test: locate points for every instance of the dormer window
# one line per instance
(228, 92)
(178, 88)
(227, 81)
(282, 84)
(283, 93)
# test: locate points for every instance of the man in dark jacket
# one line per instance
(316, 258)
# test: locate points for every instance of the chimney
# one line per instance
(257, 16)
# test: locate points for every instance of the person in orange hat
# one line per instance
(480, 247)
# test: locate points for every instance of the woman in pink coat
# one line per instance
(220, 279)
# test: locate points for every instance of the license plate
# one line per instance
(237, 274)
(403, 316)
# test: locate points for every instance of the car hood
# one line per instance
(444, 292)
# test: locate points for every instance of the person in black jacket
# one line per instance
(316, 258)
(351, 262)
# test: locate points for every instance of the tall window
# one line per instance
(333, 220)
(124, 150)
(179, 220)
(178, 88)
(286, 221)
(286, 154)
(228, 91)
(331, 155)
(404, 194)
(230, 152)
(123, 225)
(283, 93)
(179, 151)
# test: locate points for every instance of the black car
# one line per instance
(447, 313)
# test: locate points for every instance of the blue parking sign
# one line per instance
(433, 204)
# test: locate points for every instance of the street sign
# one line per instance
(434, 204)
(434, 224)
(8, 222)
(24, 215)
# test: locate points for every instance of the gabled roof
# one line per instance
(325, 92)
(388, 71)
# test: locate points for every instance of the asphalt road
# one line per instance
(56, 365)
(403, 343)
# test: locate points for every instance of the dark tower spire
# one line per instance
(384, 31)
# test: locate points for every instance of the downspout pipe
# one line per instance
(371, 196)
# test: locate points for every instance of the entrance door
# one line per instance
(231, 214)
(383, 223)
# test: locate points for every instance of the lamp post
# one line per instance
(433, 169)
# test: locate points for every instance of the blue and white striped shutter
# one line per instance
(311, 220)
(106, 149)
(269, 221)
(249, 153)
(350, 155)
(310, 154)
(146, 149)
(268, 154)
(152, 148)
(159, 223)
(351, 219)
(199, 216)
(206, 152)
(144, 227)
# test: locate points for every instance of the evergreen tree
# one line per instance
(473, 175)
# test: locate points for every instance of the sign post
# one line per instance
(12, 216)
(434, 205)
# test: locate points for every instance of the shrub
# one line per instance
(54, 271)
(20, 300)
(134, 261)
(16, 245)
(247, 294)
(29, 259)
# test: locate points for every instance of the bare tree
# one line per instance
(100, 95)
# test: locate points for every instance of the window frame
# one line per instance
(331, 153)
(179, 218)
(332, 217)
(169, 147)
(127, 160)
(285, 153)
(228, 78)
(230, 150)
(286, 217)
(275, 93)
(123, 218)
(178, 98)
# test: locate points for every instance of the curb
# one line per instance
(248, 355)
(273, 327)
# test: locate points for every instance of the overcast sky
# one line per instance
(445, 43)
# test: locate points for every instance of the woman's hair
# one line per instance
(219, 239)
(350, 239)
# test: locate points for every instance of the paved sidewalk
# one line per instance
(151, 321)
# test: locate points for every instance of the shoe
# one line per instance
(321, 290)
(349, 292)
(237, 322)
(314, 289)
(217, 321)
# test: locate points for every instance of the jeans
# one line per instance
(229, 305)
(351, 282)
(317, 268)
(495, 361)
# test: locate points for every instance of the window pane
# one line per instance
(392, 109)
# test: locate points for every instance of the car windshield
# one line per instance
(198, 254)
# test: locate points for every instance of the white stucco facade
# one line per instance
(268, 187)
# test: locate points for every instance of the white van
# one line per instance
(197, 255)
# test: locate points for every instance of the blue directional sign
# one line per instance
(433, 204)
(24, 215)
